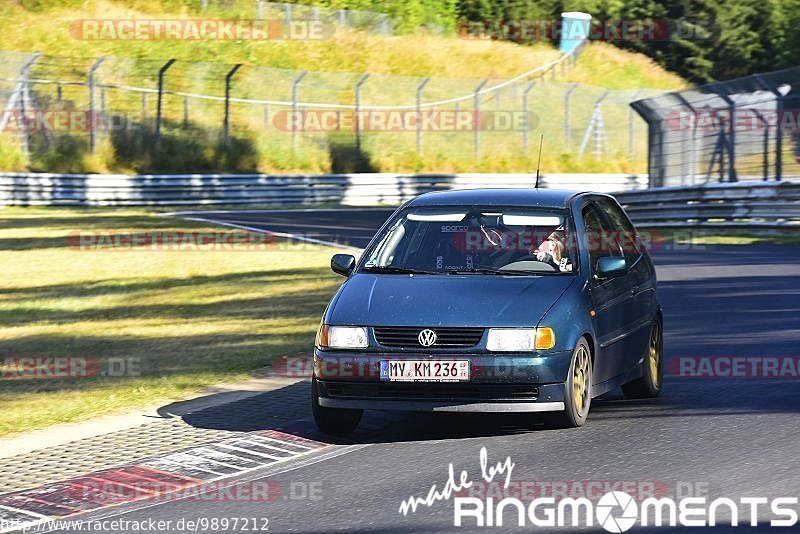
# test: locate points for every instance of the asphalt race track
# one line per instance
(351, 228)
(710, 436)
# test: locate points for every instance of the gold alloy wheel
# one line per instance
(655, 354)
(581, 379)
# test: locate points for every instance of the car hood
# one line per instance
(446, 300)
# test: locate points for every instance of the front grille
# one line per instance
(429, 390)
(445, 337)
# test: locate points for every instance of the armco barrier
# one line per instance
(753, 205)
(742, 205)
(347, 189)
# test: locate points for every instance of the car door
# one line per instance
(611, 297)
(640, 277)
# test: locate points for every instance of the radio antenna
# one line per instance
(539, 162)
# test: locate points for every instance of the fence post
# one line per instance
(765, 124)
(295, 89)
(567, 132)
(361, 82)
(596, 128)
(692, 165)
(21, 93)
(259, 10)
(420, 87)
(144, 107)
(161, 72)
(287, 11)
(631, 148)
(227, 123)
(185, 111)
(93, 124)
(25, 97)
(525, 132)
(731, 137)
(778, 130)
(476, 106)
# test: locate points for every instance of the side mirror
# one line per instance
(343, 264)
(610, 266)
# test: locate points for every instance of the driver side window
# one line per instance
(599, 236)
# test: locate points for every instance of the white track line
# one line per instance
(278, 234)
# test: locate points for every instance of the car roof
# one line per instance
(549, 198)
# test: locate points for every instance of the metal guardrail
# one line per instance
(197, 189)
(755, 205)
(742, 205)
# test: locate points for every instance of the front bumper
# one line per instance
(498, 383)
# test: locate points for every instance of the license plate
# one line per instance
(424, 370)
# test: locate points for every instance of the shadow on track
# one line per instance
(682, 399)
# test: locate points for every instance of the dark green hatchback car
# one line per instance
(492, 300)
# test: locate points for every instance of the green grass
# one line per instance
(193, 318)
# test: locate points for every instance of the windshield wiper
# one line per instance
(396, 270)
(488, 270)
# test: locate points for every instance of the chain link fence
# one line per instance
(741, 129)
(165, 115)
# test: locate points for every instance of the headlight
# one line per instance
(520, 339)
(342, 337)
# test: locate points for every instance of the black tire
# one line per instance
(577, 403)
(649, 385)
(336, 421)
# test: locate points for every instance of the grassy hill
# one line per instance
(47, 29)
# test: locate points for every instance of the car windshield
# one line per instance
(474, 240)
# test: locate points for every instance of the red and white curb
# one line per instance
(154, 478)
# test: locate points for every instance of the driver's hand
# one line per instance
(548, 252)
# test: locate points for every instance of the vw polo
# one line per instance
(507, 300)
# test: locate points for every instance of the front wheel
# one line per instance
(577, 388)
(649, 385)
(333, 420)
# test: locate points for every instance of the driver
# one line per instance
(551, 250)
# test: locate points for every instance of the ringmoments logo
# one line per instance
(618, 511)
(614, 511)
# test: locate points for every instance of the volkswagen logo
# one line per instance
(427, 337)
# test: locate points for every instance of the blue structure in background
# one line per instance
(575, 27)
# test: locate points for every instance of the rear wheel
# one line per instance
(649, 385)
(578, 388)
(333, 420)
